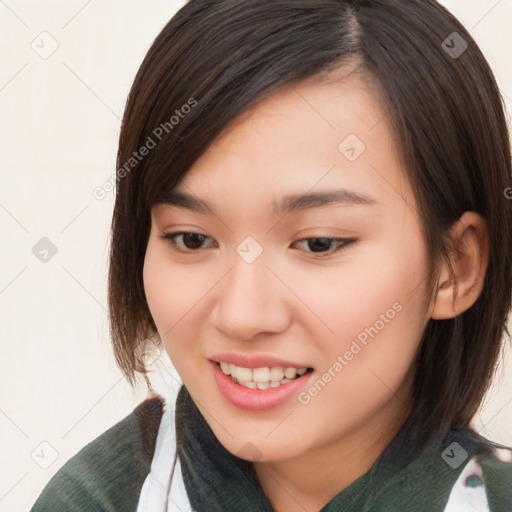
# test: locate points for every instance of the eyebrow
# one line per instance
(286, 205)
(315, 199)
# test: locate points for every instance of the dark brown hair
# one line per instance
(219, 57)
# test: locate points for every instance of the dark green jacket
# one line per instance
(108, 473)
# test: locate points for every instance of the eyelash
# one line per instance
(170, 239)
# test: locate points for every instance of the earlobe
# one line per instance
(459, 288)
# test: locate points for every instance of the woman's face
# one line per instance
(306, 248)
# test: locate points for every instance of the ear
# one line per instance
(469, 256)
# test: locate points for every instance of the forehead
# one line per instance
(320, 134)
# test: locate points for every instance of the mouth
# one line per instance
(264, 377)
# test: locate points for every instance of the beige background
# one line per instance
(60, 119)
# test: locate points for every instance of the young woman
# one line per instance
(313, 218)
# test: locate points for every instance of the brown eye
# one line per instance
(320, 244)
(185, 241)
(193, 240)
(324, 245)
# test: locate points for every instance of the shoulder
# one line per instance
(108, 473)
(453, 471)
(485, 482)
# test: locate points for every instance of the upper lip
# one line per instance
(255, 360)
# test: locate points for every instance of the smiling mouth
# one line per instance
(264, 377)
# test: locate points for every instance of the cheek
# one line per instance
(370, 307)
(175, 296)
(388, 321)
(357, 295)
(370, 358)
(168, 294)
(171, 290)
(160, 288)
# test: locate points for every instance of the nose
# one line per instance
(250, 302)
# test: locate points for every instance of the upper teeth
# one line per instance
(264, 374)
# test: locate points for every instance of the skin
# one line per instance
(298, 304)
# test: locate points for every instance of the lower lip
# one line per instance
(256, 399)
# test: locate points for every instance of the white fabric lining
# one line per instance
(164, 489)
